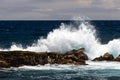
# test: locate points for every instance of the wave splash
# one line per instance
(68, 37)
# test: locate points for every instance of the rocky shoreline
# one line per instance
(20, 58)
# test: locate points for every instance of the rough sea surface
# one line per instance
(96, 37)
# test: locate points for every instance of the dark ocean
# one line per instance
(48, 35)
(27, 32)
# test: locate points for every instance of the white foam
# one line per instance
(103, 65)
(47, 67)
(91, 66)
(68, 37)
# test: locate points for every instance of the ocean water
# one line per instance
(97, 37)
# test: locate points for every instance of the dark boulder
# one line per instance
(76, 57)
(108, 57)
(98, 59)
(105, 57)
(78, 54)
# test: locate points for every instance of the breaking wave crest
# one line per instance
(73, 36)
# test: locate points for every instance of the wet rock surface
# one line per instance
(3, 64)
(105, 57)
(117, 58)
(20, 58)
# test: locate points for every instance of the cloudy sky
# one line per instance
(59, 9)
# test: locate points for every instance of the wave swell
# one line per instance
(68, 37)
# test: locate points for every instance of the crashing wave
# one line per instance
(73, 36)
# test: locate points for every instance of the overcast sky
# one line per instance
(59, 9)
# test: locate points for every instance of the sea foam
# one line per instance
(69, 67)
(72, 36)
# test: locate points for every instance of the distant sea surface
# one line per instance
(27, 32)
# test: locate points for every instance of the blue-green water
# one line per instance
(93, 71)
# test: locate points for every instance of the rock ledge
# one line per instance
(20, 58)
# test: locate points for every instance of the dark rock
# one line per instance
(117, 58)
(3, 64)
(78, 53)
(108, 57)
(98, 59)
(105, 57)
(20, 58)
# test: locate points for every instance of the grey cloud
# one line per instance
(59, 9)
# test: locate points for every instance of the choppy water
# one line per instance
(93, 71)
(97, 37)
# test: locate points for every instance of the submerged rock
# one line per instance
(20, 58)
(105, 57)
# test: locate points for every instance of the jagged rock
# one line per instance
(20, 58)
(108, 57)
(78, 53)
(105, 57)
(117, 58)
(98, 59)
